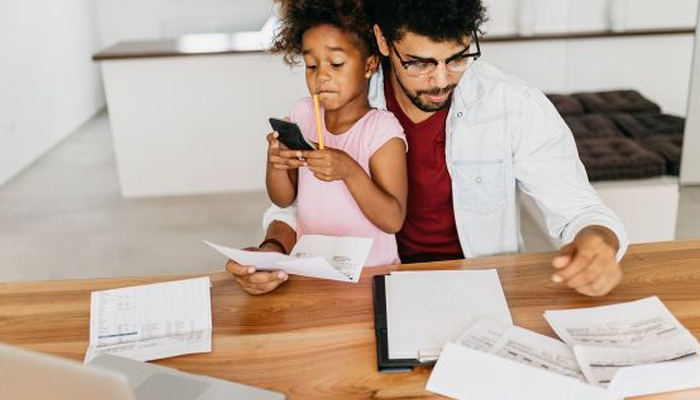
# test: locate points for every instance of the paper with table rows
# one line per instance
(607, 339)
(151, 322)
(317, 256)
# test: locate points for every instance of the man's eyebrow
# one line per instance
(418, 58)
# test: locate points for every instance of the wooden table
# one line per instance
(314, 339)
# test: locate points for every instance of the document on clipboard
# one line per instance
(418, 312)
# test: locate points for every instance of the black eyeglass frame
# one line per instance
(406, 64)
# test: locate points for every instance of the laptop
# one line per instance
(27, 375)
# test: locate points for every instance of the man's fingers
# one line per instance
(602, 286)
(256, 289)
(579, 262)
(266, 277)
(564, 257)
(261, 282)
(588, 275)
(238, 269)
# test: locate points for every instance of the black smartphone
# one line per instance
(290, 135)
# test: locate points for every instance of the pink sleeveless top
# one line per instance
(328, 208)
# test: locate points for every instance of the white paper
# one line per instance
(611, 338)
(315, 256)
(522, 346)
(427, 309)
(467, 374)
(151, 322)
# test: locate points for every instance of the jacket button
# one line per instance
(459, 114)
(479, 179)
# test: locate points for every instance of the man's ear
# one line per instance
(381, 41)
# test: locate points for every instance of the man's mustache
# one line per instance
(437, 91)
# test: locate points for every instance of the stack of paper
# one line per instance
(315, 256)
(152, 321)
(634, 349)
(609, 339)
(427, 309)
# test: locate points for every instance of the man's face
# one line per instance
(431, 91)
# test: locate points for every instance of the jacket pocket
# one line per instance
(479, 185)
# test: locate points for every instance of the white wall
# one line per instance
(123, 20)
(690, 167)
(555, 16)
(658, 66)
(49, 85)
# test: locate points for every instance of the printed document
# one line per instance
(151, 322)
(427, 309)
(466, 374)
(610, 338)
(315, 256)
(522, 346)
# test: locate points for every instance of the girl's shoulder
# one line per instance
(381, 126)
(302, 107)
(382, 121)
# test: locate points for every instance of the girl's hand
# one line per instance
(331, 164)
(279, 156)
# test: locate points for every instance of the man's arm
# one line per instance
(589, 264)
(279, 237)
(548, 169)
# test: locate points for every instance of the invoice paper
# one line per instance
(427, 309)
(316, 256)
(522, 346)
(610, 338)
(151, 322)
(466, 374)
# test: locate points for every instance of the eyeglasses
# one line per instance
(456, 64)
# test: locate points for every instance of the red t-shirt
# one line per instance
(429, 232)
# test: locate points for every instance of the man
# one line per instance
(475, 135)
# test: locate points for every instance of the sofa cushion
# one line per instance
(627, 101)
(643, 125)
(617, 158)
(592, 125)
(566, 104)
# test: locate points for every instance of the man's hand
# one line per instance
(253, 282)
(588, 264)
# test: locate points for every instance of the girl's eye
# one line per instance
(337, 65)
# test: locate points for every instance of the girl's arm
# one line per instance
(280, 178)
(381, 197)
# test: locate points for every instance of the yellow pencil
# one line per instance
(319, 132)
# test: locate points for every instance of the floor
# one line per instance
(64, 218)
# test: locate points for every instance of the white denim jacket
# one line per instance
(503, 135)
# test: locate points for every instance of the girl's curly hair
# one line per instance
(298, 16)
(440, 20)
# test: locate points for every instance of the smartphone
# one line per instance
(290, 135)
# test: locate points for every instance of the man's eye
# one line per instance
(420, 65)
(310, 66)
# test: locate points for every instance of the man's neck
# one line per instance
(415, 114)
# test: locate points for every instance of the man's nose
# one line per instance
(440, 77)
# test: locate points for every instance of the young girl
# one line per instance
(355, 186)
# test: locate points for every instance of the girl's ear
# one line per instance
(372, 65)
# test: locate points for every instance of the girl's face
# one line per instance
(336, 69)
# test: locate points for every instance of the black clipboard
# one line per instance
(384, 363)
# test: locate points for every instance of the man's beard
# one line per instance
(425, 105)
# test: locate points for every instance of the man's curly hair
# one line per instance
(440, 20)
(298, 16)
